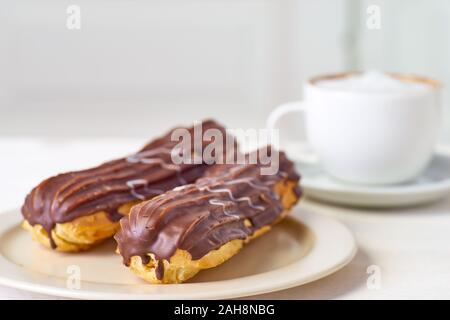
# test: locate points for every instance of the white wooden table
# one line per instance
(409, 248)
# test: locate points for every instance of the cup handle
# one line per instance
(303, 151)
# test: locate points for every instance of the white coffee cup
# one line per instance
(379, 137)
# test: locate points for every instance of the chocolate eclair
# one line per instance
(170, 238)
(74, 211)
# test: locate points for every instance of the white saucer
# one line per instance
(432, 184)
(300, 249)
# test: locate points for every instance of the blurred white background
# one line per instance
(71, 99)
(137, 67)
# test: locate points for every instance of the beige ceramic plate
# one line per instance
(301, 249)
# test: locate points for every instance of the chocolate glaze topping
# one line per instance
(141, 176)
(203, 216)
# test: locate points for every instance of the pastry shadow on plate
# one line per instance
(287, 242)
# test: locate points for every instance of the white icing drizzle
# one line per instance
(237, 168)
(252, 184)
(249, 182)
(149, 153)
(179, 188)
(162, 163)
(223, 204)
(230, 195)
(283, 174)
(145, 157)
(132, 184)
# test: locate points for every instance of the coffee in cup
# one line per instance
(371, 127)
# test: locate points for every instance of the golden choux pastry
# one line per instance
(172, 237)
(76, 210)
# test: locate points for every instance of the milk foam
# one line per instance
(373, 82)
